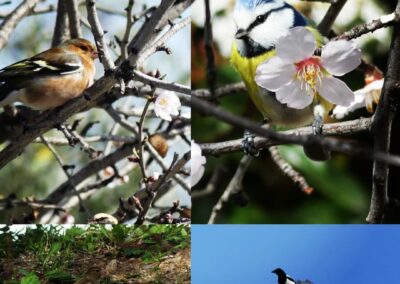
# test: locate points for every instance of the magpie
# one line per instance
(283, 278)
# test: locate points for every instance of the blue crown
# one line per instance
(250, 4)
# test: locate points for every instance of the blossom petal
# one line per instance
(274, 73)
(297, 45)
(340, 57)
(335, 91)
(293, 95)
(197, 162)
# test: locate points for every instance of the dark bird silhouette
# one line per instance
(283, 278)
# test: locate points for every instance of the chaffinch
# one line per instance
(50, 78)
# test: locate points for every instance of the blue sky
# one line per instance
(323, 254)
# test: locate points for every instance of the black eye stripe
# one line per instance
(262, 18)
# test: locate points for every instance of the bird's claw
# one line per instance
(248, 144)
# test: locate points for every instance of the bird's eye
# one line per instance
(84, 47)
(261, 18)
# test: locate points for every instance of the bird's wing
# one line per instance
(290, 280)
(51, 62)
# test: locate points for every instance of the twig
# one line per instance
(234, 186)
(98, 34)
(221, 91)
(129, 24)
(74, 19)
(11, 21)
(162, 84)
(326, 24)
(289, 171)
(36, 11)
(67, 173)
(141, 144)
(175, 167)
(357, 31)
(163, 39)
(212, 184)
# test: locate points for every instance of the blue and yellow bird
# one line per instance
(260, 23)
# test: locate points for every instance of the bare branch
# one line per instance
(289, 171)
(234, 186)
(11, 21)
(74, 18)
(98, 34)
(326, 24)
(61, 29)
(382, 127)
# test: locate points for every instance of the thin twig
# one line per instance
(289, 171)
(141, 144)
(234, 186)
(129, 24)
(67, 173)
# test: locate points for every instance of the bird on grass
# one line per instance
(92, 276)
(283, 278)
(50, 78)
(260, 23)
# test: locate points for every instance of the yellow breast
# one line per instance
(247, 67)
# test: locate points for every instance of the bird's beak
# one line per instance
(95, 54)
(241, 34)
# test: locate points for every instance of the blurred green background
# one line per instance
(342, 185)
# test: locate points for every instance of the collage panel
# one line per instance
(94, 254)
(293, 121)
(96, 120)
(295, 254)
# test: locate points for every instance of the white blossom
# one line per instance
(167, 103)
(365, 97)
(296, 75)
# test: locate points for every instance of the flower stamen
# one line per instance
(309, 74)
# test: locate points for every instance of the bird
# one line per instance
(259, 24)
(50, 78)
(283, 278)
(92, 276)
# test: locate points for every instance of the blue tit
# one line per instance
(260, 23)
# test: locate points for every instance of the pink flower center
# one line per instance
(309, 73)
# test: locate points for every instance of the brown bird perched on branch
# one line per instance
(92, 276)
(50, 78)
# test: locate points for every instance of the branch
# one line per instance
(208, 46)
(74, 18)
(339, 128)
(11, 21)
(329, 143)
(98, 34)
(357, 31)
(326, 24)
(233, 187)
(382, 127)
(289, 171)
(61, 29)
